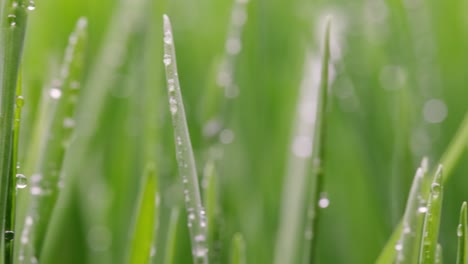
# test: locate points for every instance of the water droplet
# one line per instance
(435, 111)
(29, 220)
(31, 6)
(302, 146)
(21, 181)
(406, 230)
(200, 252)
(20, 101)
(35, 190)
(179, 141)
(227, 136)
(68, 122)
(55, 93)
(170, 84)
(435, 188)
(199, 238)
(168, 37)
(191, 216)
(11, 20)
(167, 59)
(399, 246)
(422, 209)
(173, 105)
(460, 230)
(323, 202)
(9, 235)
(233, 46)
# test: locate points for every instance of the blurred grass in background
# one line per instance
(398, 93)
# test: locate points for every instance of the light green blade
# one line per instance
(184, 152)
(238, 250)
(462, 233)
(432, 221)
(171, 242)
(145, 220)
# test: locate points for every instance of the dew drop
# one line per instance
(12, 20)
(31, 6)
(200, 252)
(435, 188)
(460, 230)
(226, 136)
(167, 59)
(68, 122)
(173, 105)
(398, 246)
(323, 202)
(422, 209)
(9, 235)
(168, 38)
(55, 93)
(199, 238)
(20, 101)
(21, 181)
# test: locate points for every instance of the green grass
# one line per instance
(262, 91)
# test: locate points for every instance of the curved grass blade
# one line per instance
(185, 157)
(45, 182)
(171, 243)
(432, 221)
(408, 246)
(146, 219)
(20, 179)
(238, 250)
(318, 153)
(12, 31)
(462, 233)
(449, 160)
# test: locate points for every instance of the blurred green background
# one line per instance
(398, 93)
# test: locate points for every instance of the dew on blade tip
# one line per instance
(21, 181)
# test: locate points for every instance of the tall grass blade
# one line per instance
(61, 98)
(171, 242)
(462, 233)
(17, 180)
(449, 160)
(238, 250)
(318, 153)
(185, 158)
(210, 198)
(146, 219)
(408, 246)
(12, 31)
(432, 221)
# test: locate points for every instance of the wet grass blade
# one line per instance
(318, 152)
(238, 250)
(432, 221)
(17, 180)
(449, 160)
(184, 152)
(408, 246)
(60, 124)
(171, 242)
(462, 233)
(146, 219)
(12, 31)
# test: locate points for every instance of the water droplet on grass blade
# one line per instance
(422, 209)
(323, 202)
(167, 59)
(435, 188)
(11, 20)
(55, 93)
(21, 181)
(460, 230)
(20, 101)
(9, 235)
(31, 6)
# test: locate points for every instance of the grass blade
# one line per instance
(462, 233)
(185, 157)
(146, 219)
(12, 32)
(432, 221)
(171, 243)
(318, 152)
(408, 246)
(58, 129)
(210, 199)
(238, 250)
(449, 160)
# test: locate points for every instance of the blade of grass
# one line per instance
(58, 129)
(12, 31)
(449, 160)
(432, 221)
(145, 220)
(408, 246)
(462, 233)
(318, 153)
(10, 222)
(238, 249)
(210, 199)
(171, 243)
(185, 157)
